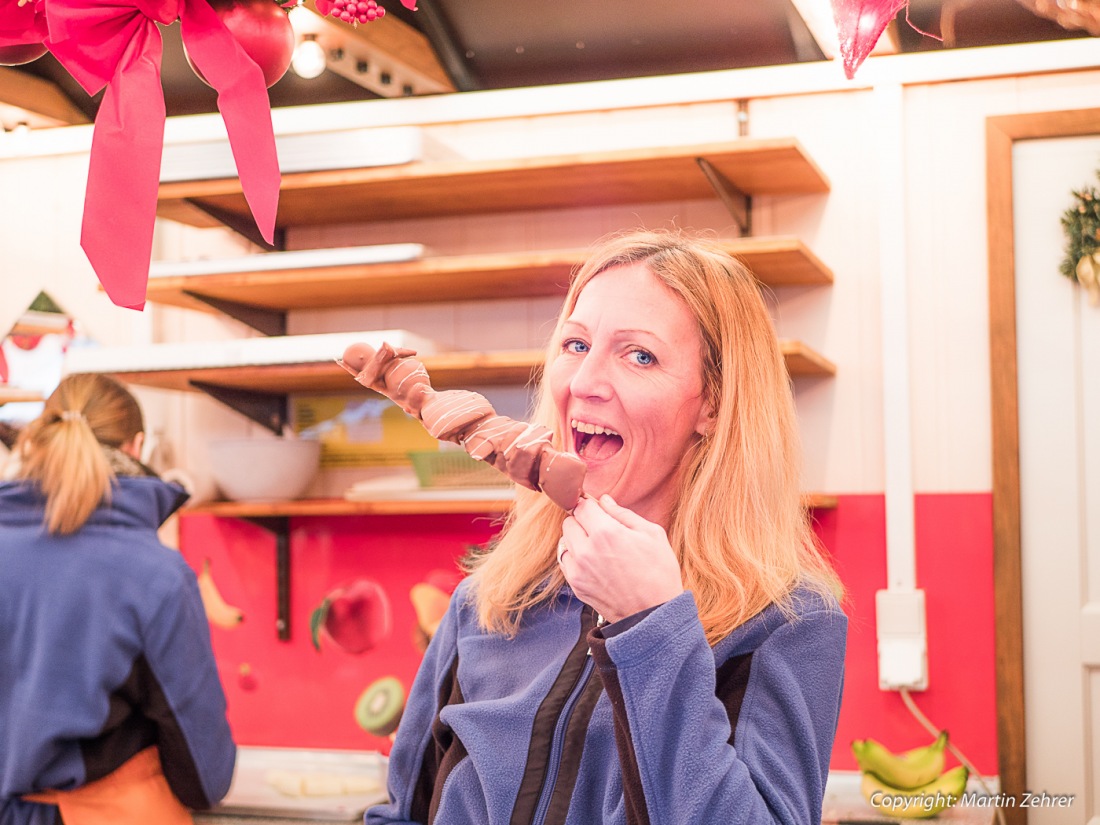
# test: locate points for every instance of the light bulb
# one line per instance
(309, 58)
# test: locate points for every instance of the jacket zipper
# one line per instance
(558, 744)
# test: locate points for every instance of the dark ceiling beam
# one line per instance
(438, 30)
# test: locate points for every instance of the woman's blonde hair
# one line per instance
(739, 528)
(61, 450)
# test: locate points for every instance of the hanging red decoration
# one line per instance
(859, 24)
(115, 46)
(22, 30)
(356, 11)
(124, 169)
(21, 53)
(264, 32)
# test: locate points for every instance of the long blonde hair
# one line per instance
(739, 528)
(61, 450)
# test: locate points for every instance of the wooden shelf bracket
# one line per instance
(243, 226)
(261, 319)
(270, 410)
(737, 203)
(279, 527)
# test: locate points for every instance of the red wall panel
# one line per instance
(305, 698)
(954, 541)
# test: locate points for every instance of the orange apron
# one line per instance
(136, 793)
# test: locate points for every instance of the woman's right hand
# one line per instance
(616, 561)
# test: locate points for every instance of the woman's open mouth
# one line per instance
(594, 441)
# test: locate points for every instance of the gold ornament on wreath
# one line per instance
(1081, 223)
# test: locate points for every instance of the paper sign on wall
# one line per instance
(360, 432)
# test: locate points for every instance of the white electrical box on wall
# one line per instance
(902, 639)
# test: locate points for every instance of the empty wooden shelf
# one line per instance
(749, 166)
(14, 395)
(778, 261)
(392, 507)
(454, 369)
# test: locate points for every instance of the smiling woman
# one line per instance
(632, 395)
(671, 649)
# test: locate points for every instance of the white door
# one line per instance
(1058, 341)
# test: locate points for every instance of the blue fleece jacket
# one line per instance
(636, 723)
(104, 651)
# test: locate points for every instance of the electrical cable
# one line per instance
(932, 729)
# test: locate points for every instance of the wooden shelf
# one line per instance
(779, 261)
(13, 395)
(819, 501)
(426, 280)
(434, 188)
(342, 507)
(447, 370)
(452, 370)
(388, 507)
(803, 361)
(40, 323)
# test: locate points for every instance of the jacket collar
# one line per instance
(136, 501)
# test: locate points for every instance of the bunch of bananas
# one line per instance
(909, 785)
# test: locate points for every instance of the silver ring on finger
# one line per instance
(562, 548)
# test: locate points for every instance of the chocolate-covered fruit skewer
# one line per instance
(520, 451)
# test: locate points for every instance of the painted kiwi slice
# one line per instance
(379, 708)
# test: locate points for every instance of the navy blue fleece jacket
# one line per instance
(636, 723)
(104, 651)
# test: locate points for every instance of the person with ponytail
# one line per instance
(111, 710)
(672, 649)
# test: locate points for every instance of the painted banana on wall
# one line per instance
(218, 611)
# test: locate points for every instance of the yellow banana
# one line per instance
(907, 770)
(218, 611)
(918, 803)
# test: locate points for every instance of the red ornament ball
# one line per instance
(21, 53)
(263, 30)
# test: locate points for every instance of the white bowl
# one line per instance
(260, 469)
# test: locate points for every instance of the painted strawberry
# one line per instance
(355, 618)
(246, 678)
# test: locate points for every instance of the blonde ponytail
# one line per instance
(61, 451)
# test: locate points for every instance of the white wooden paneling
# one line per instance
(1057, 469)
(1093, 813)
(948, 284)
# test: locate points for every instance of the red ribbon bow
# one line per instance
(117, 45)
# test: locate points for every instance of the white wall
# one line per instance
(947, 261)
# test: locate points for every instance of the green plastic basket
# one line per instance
(454, 468)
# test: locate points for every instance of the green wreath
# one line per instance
(1081, 223)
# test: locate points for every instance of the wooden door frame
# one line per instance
(1001, 133)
